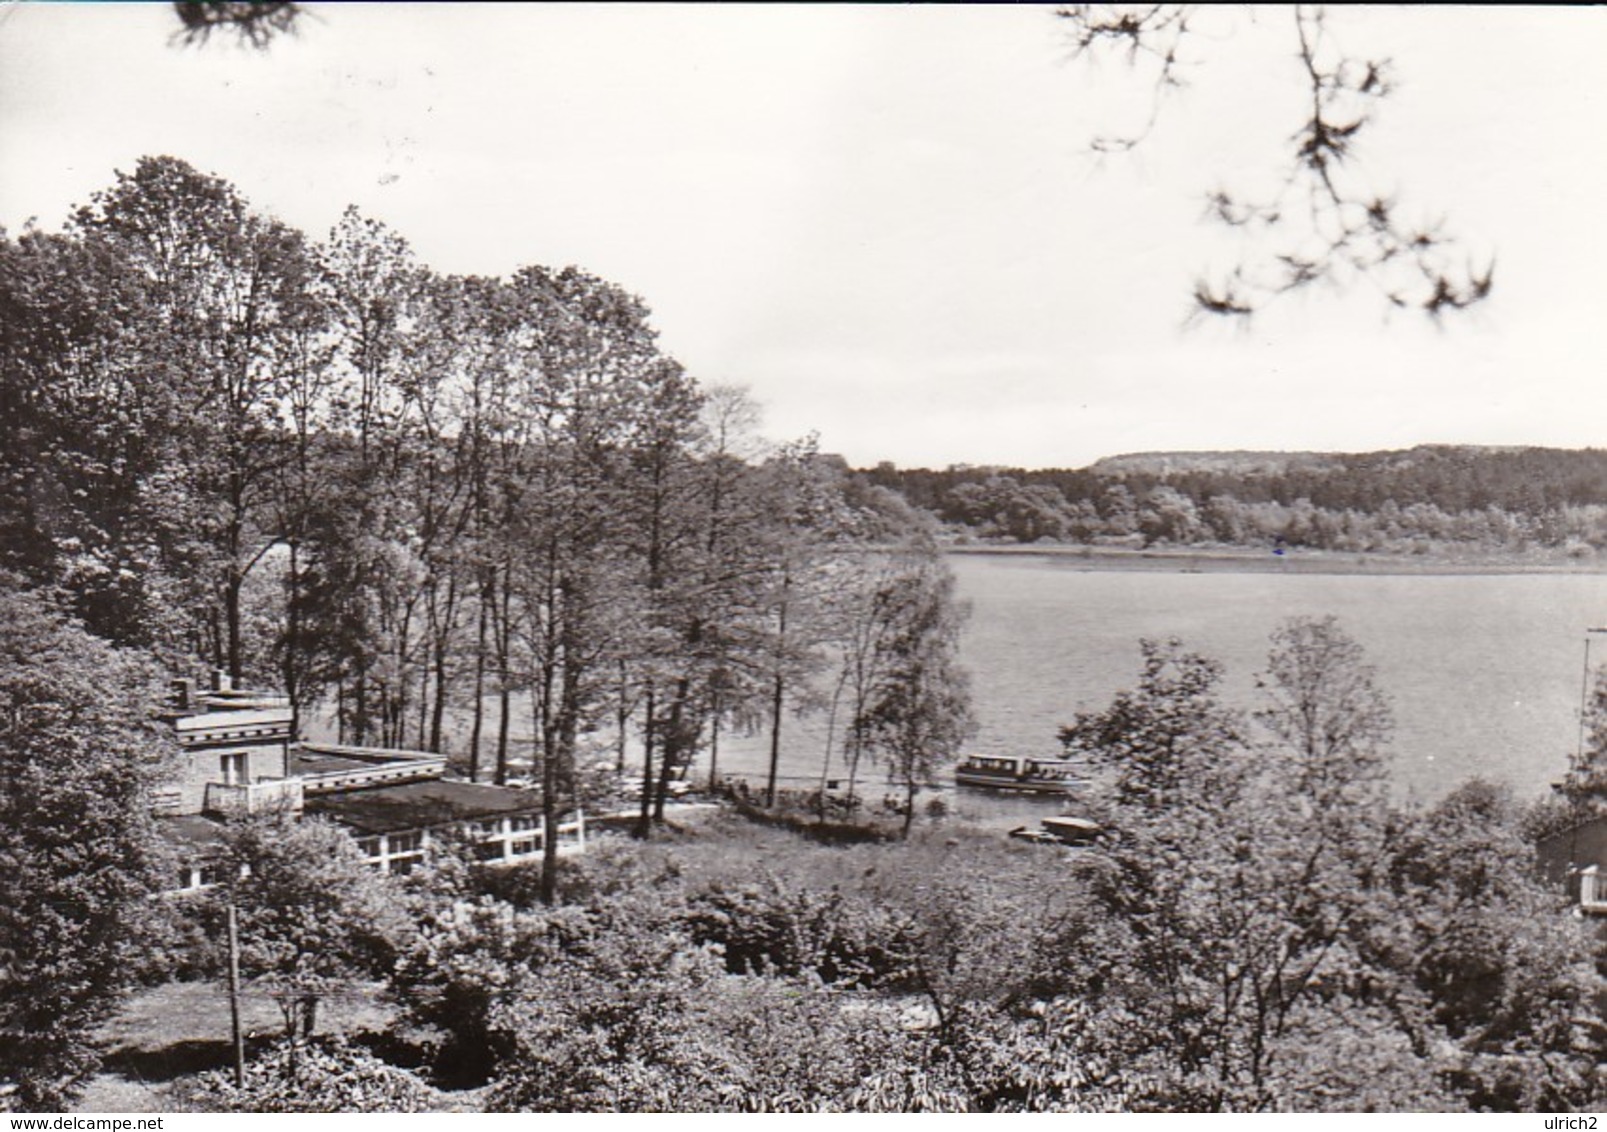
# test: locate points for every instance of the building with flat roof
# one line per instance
(239, 755)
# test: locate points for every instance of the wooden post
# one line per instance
(234, 998)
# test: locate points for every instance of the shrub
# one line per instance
(649, 1026)
(467, 960)
(771, 927)
(326, 1075)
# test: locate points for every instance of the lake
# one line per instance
(1484, 669)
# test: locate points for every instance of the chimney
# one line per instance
(221, 681)
(184, 694)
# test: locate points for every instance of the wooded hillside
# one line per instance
(1432, 497)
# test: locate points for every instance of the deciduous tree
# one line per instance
(313, 917)
(79, 752)
(919, 712)
(229, 303)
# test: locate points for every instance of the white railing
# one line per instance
(254, 798)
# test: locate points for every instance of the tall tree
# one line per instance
(806, 521)
(1231, 917)
(89, 416)
(1159, 745)
(79, 752)
(231, 295)
(588, 482)
(369, 561)
(1269, 916)
(1325, 707)
(919, 712)
(734, 537)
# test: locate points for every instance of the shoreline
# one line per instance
(1293, 560)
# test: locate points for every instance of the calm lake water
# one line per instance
(1484, 670)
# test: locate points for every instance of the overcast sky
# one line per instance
(884, 220)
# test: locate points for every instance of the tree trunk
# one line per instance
(778, 693)
(360, 718)
(714, 745)
(231, 616)
(622, 714)
(562, 750)
(831, 733)
(505, 677)
(293, 639)
(443, 647)
(645, 820)
(854, 753)
(674, 744)
(234, 996)
(777, 701)
(438, 712)
(487, 596)
(504, 718)
(424, 695)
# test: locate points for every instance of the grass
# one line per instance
(180, 1029)
(726, 847)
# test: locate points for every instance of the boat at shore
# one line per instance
(1064, 830)
(1017, 772)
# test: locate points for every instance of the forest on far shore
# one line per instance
(1433, 499)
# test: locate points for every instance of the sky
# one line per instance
(885, 220)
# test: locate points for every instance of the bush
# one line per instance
(650, 1026)
(839, 938)
(326, 1075)
(467, 960)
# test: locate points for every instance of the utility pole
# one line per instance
(234, 997)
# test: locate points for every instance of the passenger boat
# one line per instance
(1017, 772)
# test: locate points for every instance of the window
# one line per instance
(233, 767)
(193, 877)
(404, 852)
(405, 842)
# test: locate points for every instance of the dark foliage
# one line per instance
(255, 22)
(79, 753)
(1505, 500)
